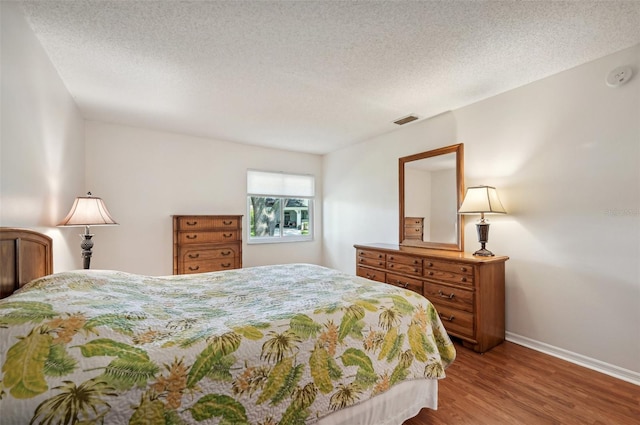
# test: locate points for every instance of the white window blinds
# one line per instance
(280, 184)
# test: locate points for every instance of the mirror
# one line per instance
(431, 191)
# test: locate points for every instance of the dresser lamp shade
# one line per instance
(481, 200)
(88, 211)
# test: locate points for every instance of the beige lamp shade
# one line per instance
(88, 211)
(481, 199)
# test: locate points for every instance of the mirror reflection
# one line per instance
(430, 199)
(430, 193)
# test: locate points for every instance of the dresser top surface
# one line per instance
(440, 253)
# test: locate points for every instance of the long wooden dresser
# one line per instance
(467, 291)
(206, 243)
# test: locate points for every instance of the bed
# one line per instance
(286, 344)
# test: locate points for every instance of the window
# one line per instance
(279, 207)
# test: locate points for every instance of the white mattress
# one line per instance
(393, 407)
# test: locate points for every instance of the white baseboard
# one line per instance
(579, 359)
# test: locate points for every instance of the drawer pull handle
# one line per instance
(370, 276)
(379, 255)
(464, 269)
(191, 223)
(362, 260)
(443, 295)
(193, 269)
(194, 255)
(192, 236)
(361, 253)
(429, 264)
(226, 265)
(404, 285)
(464, 279)
(227, 235)
(225, 253)
(430, 273)
(448, 319)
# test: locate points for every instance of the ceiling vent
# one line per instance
(405, 120)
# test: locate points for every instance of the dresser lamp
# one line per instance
(87, 211)
(482, 199)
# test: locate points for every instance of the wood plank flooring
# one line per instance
(514, 385)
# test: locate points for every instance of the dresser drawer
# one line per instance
(371, 274)
(188, 223)
(450, 296)
(413, 222)
(373, 262)
(205, 237)
(414, 285)
(205, 253)
(413, 233)
(362, 253)
(405, 268)
(456, 322)
(212, 265)
(405, 259)
(458, 273)
(458, 268)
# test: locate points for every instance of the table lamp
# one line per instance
(482, 199)
(87, 211)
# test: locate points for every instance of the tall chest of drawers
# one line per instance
(206, 243)
(467, 291)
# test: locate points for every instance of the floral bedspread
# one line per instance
(266, 345)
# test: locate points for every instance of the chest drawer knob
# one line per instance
(227, 235)
(193, 256)
(192, 236)
(430, 273)
(191, 223)
(429, 264)
(463, 269)
(379, 255)
(464, 279)
(193, 269)
(227, 223)
(443, 295)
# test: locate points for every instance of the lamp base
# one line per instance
(483, 237)
(483, 252)
(86, 246)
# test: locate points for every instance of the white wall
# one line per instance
(564, 153)
(41, 140)
(146, 176)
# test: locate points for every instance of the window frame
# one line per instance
(281, 238)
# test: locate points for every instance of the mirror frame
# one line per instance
(458, 149)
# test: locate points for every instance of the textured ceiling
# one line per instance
(312, 76)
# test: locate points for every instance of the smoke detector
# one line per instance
(619, 76)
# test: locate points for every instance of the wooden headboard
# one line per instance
(24, 255)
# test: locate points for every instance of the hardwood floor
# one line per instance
(514, 385)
